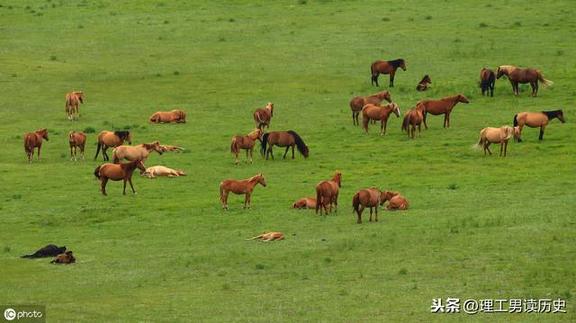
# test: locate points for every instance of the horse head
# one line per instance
(385, 95)
(338, 178)
(403, 64)
(270, 107)
(43, 133)
(80, 96)
(503, 70)
(426, 79)
(261, 180)
(560, 116)
(463, 99)
(256, 134)
(154, 146)
(395, 109)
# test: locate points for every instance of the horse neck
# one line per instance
(129, 168)
(253, 135)
(337, 179)
(253, 181)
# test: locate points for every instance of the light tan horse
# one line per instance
(369, 197)
(154, 171)
(358, 102)
(518, 75)
(73, 100)
(245, 187)
(263, 116)
(117, 172)
(500, 135)
(327, 194)
(269, 236)
(111, 139)
(245, 142)
(138, 152)
(441, 106)
(77, 140)
(174, 116)
(395, 201)
(305, 203)
(536, 120)
(34, 140)
(376, 112)
(412, 119)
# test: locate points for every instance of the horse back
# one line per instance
(30, 141)
(382, 67)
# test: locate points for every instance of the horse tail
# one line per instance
(516, 120)
(365, 121)
(97, 172)
(99, 144)
(355, 202)
(233, 145)
(319, 201)
(481, 139)
(406, 121)
(302, 148)
(544, 81)
(263, 144)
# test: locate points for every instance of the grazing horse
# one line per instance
(395, 201)
(358, 102)
(386, 67)
(369, 197)
(111, 139)
(116, 172)
(518, 75)
(73, 100)
(441, 106)
(76, 139)
(33, 140)
(177, 116)
(245, 187)
(412, 119)
(305, 203)
(283, 139)
(327, 194)
(376, 112)
(487, 81)
(535, 120)
(424, 84)
(500, 135)
(152, 172)
(263, 116)
(138, 152)
(245, 142)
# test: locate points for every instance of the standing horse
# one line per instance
(535, 120)
(76, 139)
(73, 100)
(177, 116)
(263, 116)
(327, 194)
(386, 67)
(111, 139)
(116, 172)
(358, 102)
(487, 81)
(518, 75)
(138, 152)
(424, 84)
(412, 119)
(500, 135)
(245, 187)
(283, 139)
(245, 142)
(376, 112)
(395, 201)
(34, 140)
(442, 106)
(369, 197)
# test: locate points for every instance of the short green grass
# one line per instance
(479, 227)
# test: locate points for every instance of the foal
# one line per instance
(424, 84)
(245, 187)
(76, 139)
(245, 142)
(376, 112)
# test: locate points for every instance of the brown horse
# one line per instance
(287, 139)
(77, 140)
(395, 201)
(327, 194)
(73, 100)
(245, 187)
(305, 203)
(500, 135)
(536, 120)
(369, 197)
(34, 140)
(442, 106)
(386, 67)
(176, 116)
(138, 152)
(376, 112)
(518, 75)
(116, 172)
(424, 84)
(412, 119)
(245, 142)
(111, 139)
(358, 102)
(487, 81)
(263, 116)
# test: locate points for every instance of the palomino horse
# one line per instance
(358, 102)
(376, 112)
(283, 139)
(177, 116)
(487, 81)
(77, 140)
(327, 194)
(386, 67)
(305, 203)
(412, 119)
(138, 152)
(245, 142)
(500, 135)
(33, 140)
(424, 84)
(154, 171)
(116, 172)
(269, 236)
(111, 139)
(395, 201)
(442, 106)
(369, 197)
(536, 120)
(518, 75)
(73, 100)
(245, 187)
(263, 116)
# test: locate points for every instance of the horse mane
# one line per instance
(122, 134)
(396, 63)
(263, 143)
(553, 113)
(337, 178)
(302, 148)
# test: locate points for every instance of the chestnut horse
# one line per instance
(245, 187)
(376, 112)
(245, 142)
(536, 120)
(487, 81)
(441, 106)
(412, 119)
(138, 152)
(395, 201)
(263, 116)
(500, 135)
(73, 100)
(77, 140)
(287, 139)
(424, 84)
(518, 75)
(386, 67)
(111, 139)
(177, 116)
(34, 140)
(369, 197)
(305, 203)
(116, 172)
(358, 102)
(327, 194)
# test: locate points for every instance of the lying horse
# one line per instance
(369, 197)
(166, 148)
(47, 251)
(412, 119)
(535, 120)
(376, 112)
(174, 116)
(441, 106)
(73, 100)
(77, 140)
(117, 172)
(327, 194)
(111, 139)
(269, 236)
(487, 81)
(424, 84)
(245, 187)
(245, 142)
(34, 140)
(386, 67)
(518, 75)
(138, 152)
(305, 203)
(287, 139)
(395, 201)
(152, 172)
(500, 135)
(358, 102)
(64, 258)
(263, 116)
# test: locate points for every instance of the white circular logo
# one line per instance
(9, 314)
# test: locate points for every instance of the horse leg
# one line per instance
(359, 212)
(382, 131)
(104, 148)
(103, 182)
(39, 147)
(424, 115)
(82, 151)
(505, 147)
(534, 88)
(375, 78)
(224, 199)
(286, 152)
(492, 89)
(251, 151)
(541, 136)
(487, 145)
(392, 78)
(292, 151)
(124, 190)
(131, 186)
(376, 211)
(501, 148)
(370, 219)
(71, 155)
(246, 199)
(448, 120)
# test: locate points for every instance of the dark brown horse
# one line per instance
(287, 139)
(34, 140)
(412, 119)
(376, 112)
(108, 139)
(327, 194)
(518, 75)
(536, 120)
(442, 106)
(371, 198)
(263, 116)
(424, 84)
(358, 102)
(73, 100)
(245, 187)
(386, 67)
(116, 172)
(77, 140)
(487, 81)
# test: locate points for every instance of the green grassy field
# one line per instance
(479, 227)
